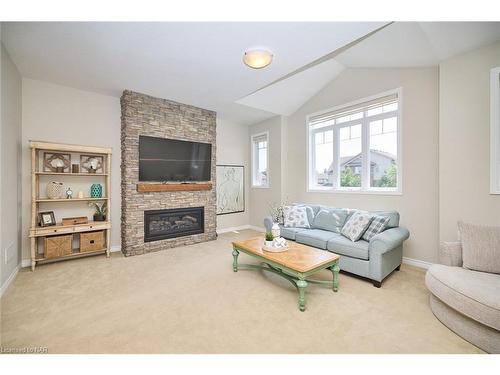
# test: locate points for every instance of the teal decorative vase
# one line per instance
(96, 191)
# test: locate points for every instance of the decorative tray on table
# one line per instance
(274, 249)
(282, 246)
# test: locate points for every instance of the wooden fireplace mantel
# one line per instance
(161, 187)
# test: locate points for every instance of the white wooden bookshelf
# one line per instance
(41, 203)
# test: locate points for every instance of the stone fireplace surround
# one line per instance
(146, 115)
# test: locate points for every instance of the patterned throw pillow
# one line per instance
(378, 225)
(356, 225)
(296, 217)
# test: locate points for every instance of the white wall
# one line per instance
(418, 205)
(11, 100)
(464, 136)
(62, 114)
(262, 198)
(232, 148)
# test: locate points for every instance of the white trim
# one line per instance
(258, 229)
(494, 130)
(252, 161)
(233, 229)
(417, 263)
(9, 281)
(355, 102)
(367, 189)
(25, 263)
(115, 248)
(355, 191)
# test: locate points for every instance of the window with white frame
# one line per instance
(260, 160)
(495, 131)
(356, 147)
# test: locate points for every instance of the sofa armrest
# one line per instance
(388, 240)
(268, 223)
(450, 254)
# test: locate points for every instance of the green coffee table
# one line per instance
(296, 264)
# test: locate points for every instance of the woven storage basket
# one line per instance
(92, 241)
(58, 246)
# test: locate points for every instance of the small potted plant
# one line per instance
(269, 239)
(100, 211)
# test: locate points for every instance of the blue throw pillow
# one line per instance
(332, 220)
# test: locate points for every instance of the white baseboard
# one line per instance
(258, 229)
(242, 227)
(416, 263)
(115, 249)
(232, 229)
(11, 278)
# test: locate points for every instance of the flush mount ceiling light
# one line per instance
(257, 58)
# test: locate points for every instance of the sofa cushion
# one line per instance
(344, 246)
(314, 237)
(296, 217)
(473, 294)
(332, 219)
(290, 233)
(356, 225)
(480, 247)
(392, 215)
(378, 225)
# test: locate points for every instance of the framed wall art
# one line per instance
(230, 189)
(56, 162)
(92, 163)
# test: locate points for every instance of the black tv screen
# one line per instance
(162, 159)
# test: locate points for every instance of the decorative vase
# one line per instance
(268, 243)
(55, 189)
(275, 230)
(96, 191)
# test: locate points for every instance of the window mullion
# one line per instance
(311, 158)
(336, 164)
(365, 147)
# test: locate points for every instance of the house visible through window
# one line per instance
(356, 147)
(260, 157)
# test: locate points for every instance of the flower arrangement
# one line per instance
(269, 236)
(276, 211)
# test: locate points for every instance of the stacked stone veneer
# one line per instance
(147, 115)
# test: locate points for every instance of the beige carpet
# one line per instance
(188, 300)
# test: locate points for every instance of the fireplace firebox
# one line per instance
(171, 223)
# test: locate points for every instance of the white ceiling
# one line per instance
(412, 44)
(200, 63)
(400, 44)
(193, 63)
(286, 96)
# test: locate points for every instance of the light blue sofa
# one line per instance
(374, 260)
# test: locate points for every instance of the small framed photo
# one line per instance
(46, 218)
(92, 163)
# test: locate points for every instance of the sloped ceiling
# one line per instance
(200, 63)
(400, 44)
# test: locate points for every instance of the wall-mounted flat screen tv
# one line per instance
(162, 159)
